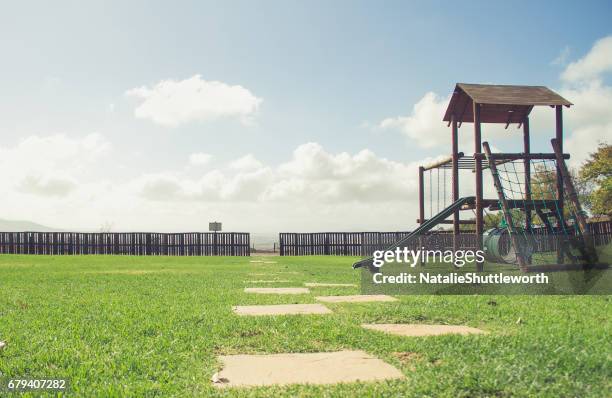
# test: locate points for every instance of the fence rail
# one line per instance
(361, 243)
(364, 243)
(126, 243)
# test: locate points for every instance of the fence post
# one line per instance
(326, 247)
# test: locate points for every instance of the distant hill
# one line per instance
(20, 225)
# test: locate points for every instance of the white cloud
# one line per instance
(245, 163)
(424, 125)
(161, 187)
(40, 152)
(561, 59)
(50, 178)
(172, 103)
(312, 174)
(589, 121)
(592, 65)
(313, 189)
(50, 165)
(199, 159)
(46, 186)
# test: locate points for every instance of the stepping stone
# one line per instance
(281, 309)
(317, 284)
(418, 330)
(356, 298)
(277, 290)
(311, 368)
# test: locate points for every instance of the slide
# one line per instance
(426, 226)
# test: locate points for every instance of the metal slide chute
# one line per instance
(423, 228)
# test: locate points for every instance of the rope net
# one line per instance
(438, 191)
(545, 227)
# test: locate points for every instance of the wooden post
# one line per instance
(478, 173)
(573, 197)
(527, 167)
(421, 195)
(326, 247)
(505, 208)
(421, 200)
(559, 138)
(455, 179)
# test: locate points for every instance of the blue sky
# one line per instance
(324, 72)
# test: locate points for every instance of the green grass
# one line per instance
(138, 326)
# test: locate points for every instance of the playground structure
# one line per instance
(526, 184)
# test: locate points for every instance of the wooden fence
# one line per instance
(335, 243)
(602, 232)
(361, 243)
(126, 243)
(364, 243)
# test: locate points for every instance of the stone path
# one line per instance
(312, 368)
(355, 299)
(317, 284)
(323, 367)
(418, 330)
(277, 290)
(281, 309)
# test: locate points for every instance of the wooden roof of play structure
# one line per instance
(499, 103)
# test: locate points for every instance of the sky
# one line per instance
(271, 116)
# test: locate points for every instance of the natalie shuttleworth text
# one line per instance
(457, 258)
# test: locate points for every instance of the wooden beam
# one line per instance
(462, 222)
(519, 156)
(455, 180)
(438, 163)
(467, 102)
(559, 139)
(510, 114)
(573, 197)
(527, 166)
(478, 172)
(421, 194)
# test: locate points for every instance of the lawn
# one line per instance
(153, 326)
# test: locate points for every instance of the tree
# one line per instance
(493, 220)
(597, 170)
(107, 226)
(544, 187)
(496, 219)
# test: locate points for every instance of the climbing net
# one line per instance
(544, 222)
